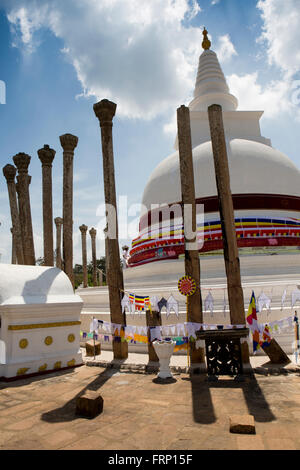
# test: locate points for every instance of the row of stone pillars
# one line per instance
(96, 272)
(19, 199)
(105, 111)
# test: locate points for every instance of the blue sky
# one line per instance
(58, 58)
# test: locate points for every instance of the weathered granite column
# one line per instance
(46, 155)
(58, 223)
(13, 247)
(9, 172)
(83, 230)
(93, 233)
(192, 263)
(231, 254)
(22, 160)
(105, 111)
(69, 143)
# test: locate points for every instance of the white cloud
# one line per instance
(225, 50)
(134, 52)
(274, 98)
(24, 26)
(281, 33)
(281, 20)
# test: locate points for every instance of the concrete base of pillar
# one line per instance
(198, 368)
(120, 350)
(152, 366)
(93, 348)
(247, 369)
(197, 356)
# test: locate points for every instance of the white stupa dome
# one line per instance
(254, 168)
(265, 183)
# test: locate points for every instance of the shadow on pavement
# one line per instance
(167, 381)
(203, 409)
(67, 411)
(40, 378)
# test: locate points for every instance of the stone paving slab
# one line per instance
(188, 414)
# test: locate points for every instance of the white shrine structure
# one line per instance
(40, 321)
(265, 183)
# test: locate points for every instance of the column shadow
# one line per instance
(203, 409)
(66, 412)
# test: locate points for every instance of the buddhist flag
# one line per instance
(252, 322)
(141, 301)
(266, 337)
(132, 303)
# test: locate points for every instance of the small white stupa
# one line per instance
(39, 321)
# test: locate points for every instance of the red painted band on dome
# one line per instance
(240, 202)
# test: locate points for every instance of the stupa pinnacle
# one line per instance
(206, 42)
(211, 86)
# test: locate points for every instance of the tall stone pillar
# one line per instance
(46, 155)
(192, 263)
(58, 223)
(9, 172)
(83, 230)
(105, 111)
(69, 143)
(93, 233)
(13, 247)
(22, 160)
(231, 254)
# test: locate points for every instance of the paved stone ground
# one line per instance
(188, 414)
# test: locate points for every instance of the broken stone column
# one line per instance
(13, 248)
(46, 155)
(83, 230)
(58, 223)
(105, 111)
(22, 160)
(192, 263)
(93, 233)
(69, 143)
(9, 172)
(89, 404)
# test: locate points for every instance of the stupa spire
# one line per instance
(211, 86)
(206, 42)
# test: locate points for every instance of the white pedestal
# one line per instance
(164, 351)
